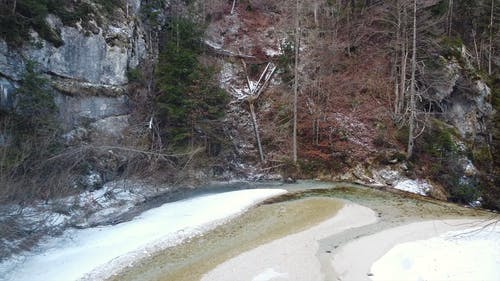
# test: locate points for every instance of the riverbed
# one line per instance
(237, 250)
(266, 231)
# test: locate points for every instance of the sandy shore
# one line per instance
(261, 225)
(299, 256)
(304, 236)
(294, 256)
(349, 264)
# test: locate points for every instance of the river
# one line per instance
(201, 235)
(251, 248)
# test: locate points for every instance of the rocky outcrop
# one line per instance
(100, 56)
(82, 110)
(462, 98)
(468, 110)
(7, 88)
(88, 72)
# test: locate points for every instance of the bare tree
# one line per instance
(491, 36)
(255, 91)
(296, 80)
(233, 6)
(412, 105)
(402, 55)
(449, 17)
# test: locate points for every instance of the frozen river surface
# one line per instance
(96, 253)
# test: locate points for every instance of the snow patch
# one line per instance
(213, 45)
(37, 222)
(472, 254)
(421, 187)
(79, 252)
(272, 52)
(228, 79)
(269, 275)
(356, 131)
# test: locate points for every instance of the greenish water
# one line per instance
(265, 223)
(306, 204)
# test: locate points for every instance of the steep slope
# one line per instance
(104, 64)
(354, 89)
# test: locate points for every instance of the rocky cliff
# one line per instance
(348, 65)
(88, 72)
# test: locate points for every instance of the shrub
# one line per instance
(33, 127)
(311, 168)
(134, 75)
(151, 12)
(36, 122)
(35, 105)
(464, 193)
(438, 140)
(286, 61)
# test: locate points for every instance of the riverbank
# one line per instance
(202, 255)
(260, 225)
(95, 253)
(292, 257)
(348, 264)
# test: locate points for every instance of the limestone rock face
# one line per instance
(11, 62)
(88, 72)
(101, 58)
(462, 99)
(81, 111)
(89, 59)
(468, 111)
(7, 88)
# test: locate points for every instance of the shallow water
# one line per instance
(305, 205)
(258, 226)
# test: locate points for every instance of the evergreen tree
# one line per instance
(36, 109)
(190, 101)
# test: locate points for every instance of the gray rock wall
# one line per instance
(7, 90)
(462, 98)
(88, 73)
(81, 111)
(99, 57)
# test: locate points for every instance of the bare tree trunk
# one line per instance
(256, 130)
(404, 59)
(412, 120)
(450, 16)
(296, 81)
(316, 21)
(14, 6)
(177, 36)
(254, 93)
(396, 74)
(478, 56)
(491, 36)
(232, 8)
(402, 91)
(318, 130)
(396, 88)
(349, 30)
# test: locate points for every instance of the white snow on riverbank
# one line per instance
(421, 187)
(78, 252)
(472, 254)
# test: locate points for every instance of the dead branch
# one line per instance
(227, 53)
